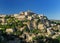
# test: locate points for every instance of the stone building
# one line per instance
(35, 23)
(41, 26)
(9, 30)
(2, 19)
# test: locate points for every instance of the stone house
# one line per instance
(21, 28)
(28, 13)
(29, 25)
(2, 19)
(16, 15)
(28, 36)
(35, 23)
(20, 16)
(41, 16)
(50, 32)
(9, 30)
(47, 23)
(29, 18)
(41, 26)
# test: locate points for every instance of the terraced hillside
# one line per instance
(28, 27)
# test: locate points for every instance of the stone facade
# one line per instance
(41, 26)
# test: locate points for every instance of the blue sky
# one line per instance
(50, 8)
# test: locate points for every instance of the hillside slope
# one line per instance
(27, 27)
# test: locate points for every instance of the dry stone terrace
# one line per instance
(28, 25)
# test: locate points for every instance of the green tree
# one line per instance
(58, 38)
(35, 31)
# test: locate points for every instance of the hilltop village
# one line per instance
(28, 26)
